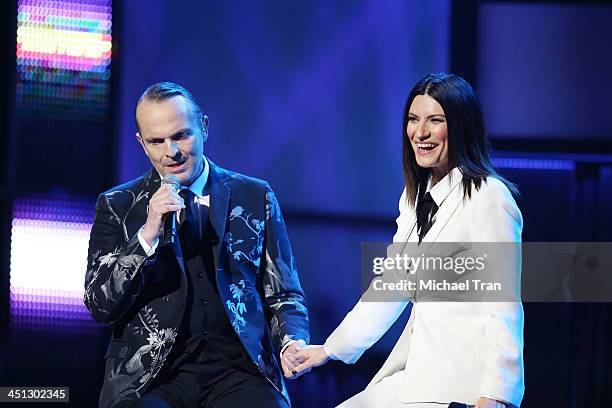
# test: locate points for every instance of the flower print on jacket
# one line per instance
(238, 248)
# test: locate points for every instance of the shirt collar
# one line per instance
(197, 187)
(442, 189)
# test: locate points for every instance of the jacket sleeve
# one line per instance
(363, 326)
(282, 290)
(115, 264)
(372, 316)
(498, 220)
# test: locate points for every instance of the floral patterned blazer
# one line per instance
(143, 298)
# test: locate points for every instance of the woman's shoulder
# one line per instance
(493, 189)
(494, 197)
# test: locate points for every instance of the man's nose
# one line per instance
(171, 148)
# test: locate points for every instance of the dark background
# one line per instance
(309, 95)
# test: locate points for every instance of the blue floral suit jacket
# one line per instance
(143, 298)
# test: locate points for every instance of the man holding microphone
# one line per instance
(191, 265)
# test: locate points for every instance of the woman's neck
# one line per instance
(437, 174)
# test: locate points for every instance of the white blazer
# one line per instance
(450, 351)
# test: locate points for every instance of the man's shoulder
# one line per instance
(247, 180)
(131, 187)
(238, 180)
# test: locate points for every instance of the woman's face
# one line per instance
(428, 134)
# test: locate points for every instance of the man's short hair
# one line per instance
(163, 91)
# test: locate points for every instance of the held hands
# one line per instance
(308, 357)
(164, 200)
(290, 359)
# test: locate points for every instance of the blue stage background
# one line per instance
(309, 96)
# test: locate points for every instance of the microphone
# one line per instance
(170, 219)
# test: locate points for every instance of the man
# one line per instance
(202, 321)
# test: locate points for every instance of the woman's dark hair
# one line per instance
(468, 147)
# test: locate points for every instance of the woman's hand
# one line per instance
(314, 355)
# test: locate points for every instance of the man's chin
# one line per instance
(182, 174)
(184, 177)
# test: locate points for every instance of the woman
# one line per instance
(467, 352)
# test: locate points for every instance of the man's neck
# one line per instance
(199, 173)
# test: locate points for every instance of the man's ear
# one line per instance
(141, 141)
(204, 127)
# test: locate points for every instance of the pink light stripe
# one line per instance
(64, 294)
(39, 57)
(49, 307)
(48, 303)
(65, 3)
(52, 300)
(40, 13)
(104, 56)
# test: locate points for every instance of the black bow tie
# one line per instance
(426, 209)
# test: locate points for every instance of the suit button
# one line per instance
(204, 332)
(199, 275)
(186, 353)
(202, 301)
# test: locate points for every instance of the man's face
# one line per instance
(173, 137)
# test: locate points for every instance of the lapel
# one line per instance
(444, 214)
(448, 208)
(450, 192)
(411, 225)
(219, 204)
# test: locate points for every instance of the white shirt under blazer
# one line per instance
(449, 351)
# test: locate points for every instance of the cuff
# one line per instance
(290, 342)
(149, 249)
(329, 353)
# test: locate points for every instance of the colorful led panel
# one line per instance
(63, 60)
(49, 239)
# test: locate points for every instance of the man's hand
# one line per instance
(484, 402)
(289, 358)
(313, 356)
(164, 200)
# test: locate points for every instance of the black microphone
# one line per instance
(170, 219)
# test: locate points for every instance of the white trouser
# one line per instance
(385, 394)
